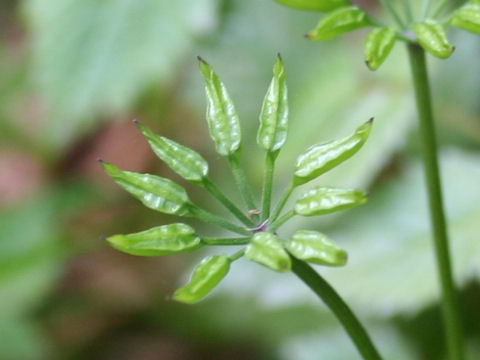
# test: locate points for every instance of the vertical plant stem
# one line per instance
(408, 11)
(440, 8)
(241, 181)
(386, 4)
(217, 193)
(267, 184)
(450, 308)
(335, 303)
(283, 201)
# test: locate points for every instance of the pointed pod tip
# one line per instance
(308, 36)
(199, 58)
(136, 122)
(370, 121)
(279, 56)
(100, 160)
(102, 237)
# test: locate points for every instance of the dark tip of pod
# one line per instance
(308, 36)
(136, 122)
(100, 160)
(371, 120)
(102, 237)
(199, 58)
(279, 56)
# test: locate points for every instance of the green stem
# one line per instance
(217, 193)
(283, 201)
(237, 255)
(386, 4)
(426, 9)
(440, 8)
(281, 221)
(225, 241)
(268, 184)
(450, 308)
(216, 220)
(408, 11)
(241, 181)
(335, 303)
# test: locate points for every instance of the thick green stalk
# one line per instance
(268, 184)
(336, 304)
(450, 308)
(210, 218)
(217, 193)
(241, 181)
(225, 241)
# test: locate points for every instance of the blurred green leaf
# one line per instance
(339, 21)
(378, 45)
(318, 159)
(205, 277)
(222, 118)
(431, 36)
(316, 247)
(93, 58)
(158, 241)
(325, 200)
(154, 192)
(272, 132)
(266, 249)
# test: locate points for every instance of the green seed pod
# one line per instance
(378, 45)
(222, 118)
(266, 249)
(432, 37)
(325, 200)
(316, 248)
(318, 159)
(205, 277)
(153, 191)
(339, 21)
(467, 17)
(185, 162)
(158, 241)
(314, 5)
(272, 132)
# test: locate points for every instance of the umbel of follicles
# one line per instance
(342, 16)
(257, 224)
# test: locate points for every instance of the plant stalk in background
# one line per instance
(422, 33)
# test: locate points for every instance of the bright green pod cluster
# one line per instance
(318, 159)
(314, 5)
(154, 192)
(205, 277)
(467, 17)
(317, 248)
(158, 241)
(272, 132)
(222, 118)
(378, 44)
(325, 200)
(187, 163)
(339, 21)
(431, 36)
(266, 249)
(257, 234)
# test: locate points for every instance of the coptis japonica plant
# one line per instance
(421, 32)
(259, 228)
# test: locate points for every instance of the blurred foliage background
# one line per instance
(73, 73)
